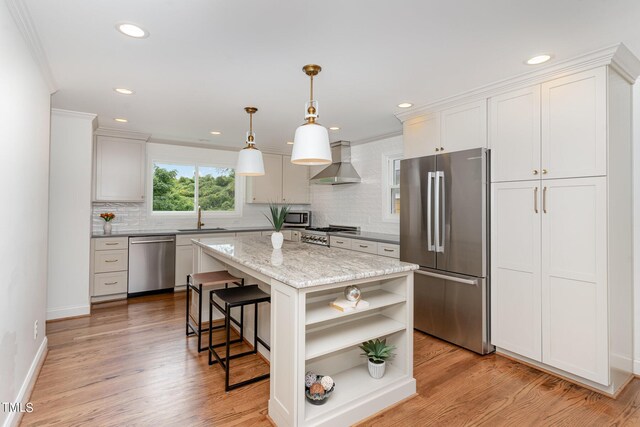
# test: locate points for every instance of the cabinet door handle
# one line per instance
(535, 171)
(110, 260)
(364, 246)
(535, 200)
(388, 250)
(111, 244)
(441, 148)
(544, 200)
(544, 171)
(340, 242)
(437, 149)
(110, 283)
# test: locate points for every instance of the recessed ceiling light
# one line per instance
(334, 128)
(215, 132)
(538, 59)
(405, 105)
(120, 120)
(290, 142)
(132, 30)
(123, 91)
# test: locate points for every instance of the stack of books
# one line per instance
(343, 304)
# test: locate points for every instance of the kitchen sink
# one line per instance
(201, 230)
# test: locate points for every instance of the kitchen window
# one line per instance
(181, 188)
(391, 187)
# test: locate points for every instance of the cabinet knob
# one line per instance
(535, 171)
(544, 171)
(437, 149)
(441, 148)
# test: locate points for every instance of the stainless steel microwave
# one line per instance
(298, 219)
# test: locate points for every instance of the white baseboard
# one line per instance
(636, 367)
(70, 311)
(13, 420)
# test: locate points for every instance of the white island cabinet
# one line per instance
(305, 334)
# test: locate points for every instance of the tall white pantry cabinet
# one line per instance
(560, 140)
(561, 225)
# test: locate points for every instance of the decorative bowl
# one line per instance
(318, 399)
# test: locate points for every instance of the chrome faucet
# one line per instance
(200, 223)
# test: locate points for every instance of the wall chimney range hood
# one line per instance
(341, 171)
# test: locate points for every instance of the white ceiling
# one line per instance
(207, 59)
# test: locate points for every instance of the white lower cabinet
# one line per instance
(378, 248)
(515, 271)
(574, 277)
(109, 268)
(549, 292)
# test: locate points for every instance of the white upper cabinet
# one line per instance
(119, 169)
(295, 182)
(514, 135)
(574, 277)
(282, 182)
(515, 268)
(464, 127)
(268, 187)
(574, 125)
(421, 136)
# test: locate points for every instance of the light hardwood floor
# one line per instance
(130, 364)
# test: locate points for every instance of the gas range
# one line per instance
(320, 235)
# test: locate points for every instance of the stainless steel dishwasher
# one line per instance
(152, 264)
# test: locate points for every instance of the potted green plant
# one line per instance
(377, 353)
(278, 216)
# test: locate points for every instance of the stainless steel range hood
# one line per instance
(341, 171)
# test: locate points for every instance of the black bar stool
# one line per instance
(195, 282)
(236, 297)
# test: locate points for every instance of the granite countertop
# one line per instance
(152, 232)
(301, 265)
(366, 235)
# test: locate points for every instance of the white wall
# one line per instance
(69, 213)
(358, 204)
(136, 216)
(24, 150)
(636, 224)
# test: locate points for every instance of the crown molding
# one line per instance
(76, 114)
(619, 57)
(22, 18)
(118, 133)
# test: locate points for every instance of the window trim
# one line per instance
(387, 185)
(239, 190)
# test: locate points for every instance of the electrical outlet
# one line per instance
(35, 330)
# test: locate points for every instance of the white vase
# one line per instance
(276, 240)
(276, 257)
(107, 227)
(376, 370)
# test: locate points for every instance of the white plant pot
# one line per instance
(276, 240)
(107, 228)
(376, 370)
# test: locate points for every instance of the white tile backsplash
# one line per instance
(358, 204)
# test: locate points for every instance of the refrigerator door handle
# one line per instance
(440, 207)
(430, 177)
(436, 211)
(473, 282)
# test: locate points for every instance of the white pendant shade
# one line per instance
(311, 145)
(250, 162)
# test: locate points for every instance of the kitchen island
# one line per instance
(306, 334)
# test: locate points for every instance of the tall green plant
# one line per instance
(278, 215)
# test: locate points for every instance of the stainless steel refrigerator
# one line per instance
(443, 227)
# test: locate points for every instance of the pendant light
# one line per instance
(250, 158)
(311, 141)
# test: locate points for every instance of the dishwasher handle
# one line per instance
(144, 242)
